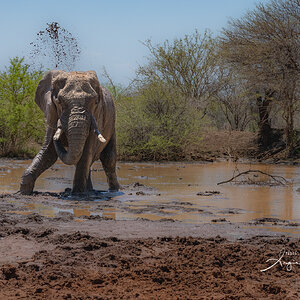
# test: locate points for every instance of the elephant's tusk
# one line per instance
(57, 134)
(97, 132)
(100, 137)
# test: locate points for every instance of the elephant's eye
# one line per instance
(89, 89)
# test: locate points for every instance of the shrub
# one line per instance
(157, 123)
(21, 121)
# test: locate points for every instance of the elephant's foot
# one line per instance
(113, 184)
(27, 184)
(114, 188)
(80, 194)
(69, 192)
(80, 189)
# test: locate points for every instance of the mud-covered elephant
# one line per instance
(76, 107)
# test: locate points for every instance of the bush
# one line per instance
(21, 121)
(157, 124)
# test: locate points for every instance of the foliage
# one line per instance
(117, 90)
(57, 45)
(21, 120)
(249, 75)
(264, 46)
(162, 115)
(233, 99)
(187, 64)
(157, 123)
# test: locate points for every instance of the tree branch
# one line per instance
(278, 179)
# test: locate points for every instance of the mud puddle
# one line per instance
(170, 191)
(53, 246)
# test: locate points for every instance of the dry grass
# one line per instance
(233, 144)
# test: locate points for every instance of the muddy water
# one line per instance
(168, 191)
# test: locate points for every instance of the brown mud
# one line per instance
(84, 256)
(185, 192)
(171, 233)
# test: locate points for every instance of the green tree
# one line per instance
(21, 121)
(186, 64)
(160, 117)
(157, 123)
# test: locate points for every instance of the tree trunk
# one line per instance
(289, 128)
(265, 135)
(290, 100)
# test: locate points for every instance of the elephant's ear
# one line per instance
(96, 86)
(43, 97)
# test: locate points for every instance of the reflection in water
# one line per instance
(173, 192)
(85, 212)
(19, 212)
(109, 214)
(45, 211)
(79, 212)
(288, 204)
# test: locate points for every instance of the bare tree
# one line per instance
(57, 46)
(265, 47)
(187, 64)
(234, 98)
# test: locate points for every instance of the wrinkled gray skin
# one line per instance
(70, 101)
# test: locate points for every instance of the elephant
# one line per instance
(75, 108)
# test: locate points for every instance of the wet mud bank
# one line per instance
(97, 257)
(103, 217)
(181, 192)
(170, 233)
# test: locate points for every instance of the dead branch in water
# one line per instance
(279, 180)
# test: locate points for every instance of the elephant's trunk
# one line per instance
(76, 125)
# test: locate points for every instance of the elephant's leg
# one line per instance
(108, 158)
(43, 160)
(89, 183)
(82, 179)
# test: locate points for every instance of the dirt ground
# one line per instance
(94, 258)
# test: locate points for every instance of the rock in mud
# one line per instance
(208, 193)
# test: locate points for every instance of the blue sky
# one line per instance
(109, 31)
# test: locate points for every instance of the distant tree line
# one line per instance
(246, 79)
(264, 48)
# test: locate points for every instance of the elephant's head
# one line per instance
(71, 104)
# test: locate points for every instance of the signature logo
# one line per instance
(288, 264)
